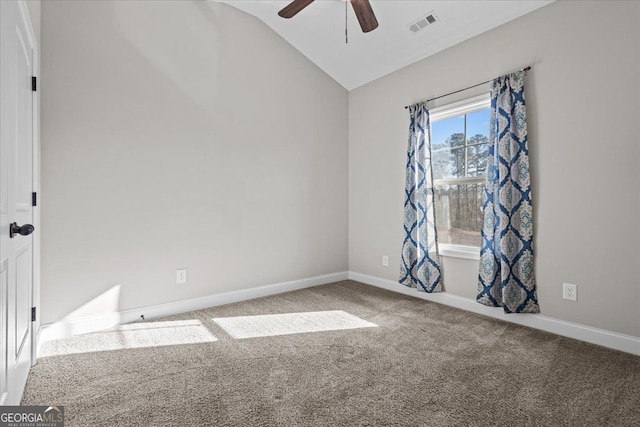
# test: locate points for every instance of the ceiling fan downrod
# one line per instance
(346, 32)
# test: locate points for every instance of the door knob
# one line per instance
(23, 230)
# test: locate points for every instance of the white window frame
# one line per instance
(467, 106)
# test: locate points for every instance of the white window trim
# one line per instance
(467, 106)
(459, 181)
(459, 251)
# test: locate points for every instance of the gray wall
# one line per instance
(583, 107)
(161, 115)
(182, 134)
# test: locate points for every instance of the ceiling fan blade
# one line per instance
(366, 17)
(294, 7)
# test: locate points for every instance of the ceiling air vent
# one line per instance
(423, 22)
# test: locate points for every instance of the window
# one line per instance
(460, 146)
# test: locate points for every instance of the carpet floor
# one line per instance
(353, 355)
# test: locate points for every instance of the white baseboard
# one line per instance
(616, 341)
(65, 328)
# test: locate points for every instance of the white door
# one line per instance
(16, 186)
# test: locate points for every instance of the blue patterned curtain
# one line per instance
(420, 267)
(506, 276)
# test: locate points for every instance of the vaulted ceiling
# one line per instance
(318, 31)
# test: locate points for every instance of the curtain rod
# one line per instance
(466, 88)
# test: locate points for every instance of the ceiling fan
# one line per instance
(362, 8)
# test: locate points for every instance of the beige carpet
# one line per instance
(344, 354)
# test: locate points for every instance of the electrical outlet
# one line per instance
(385, 260)
(181, 276)
(570, 292)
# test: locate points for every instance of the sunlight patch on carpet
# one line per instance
(269, 325)
(136, 335)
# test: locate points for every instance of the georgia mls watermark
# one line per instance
(31, 416)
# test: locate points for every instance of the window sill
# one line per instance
(459, 251)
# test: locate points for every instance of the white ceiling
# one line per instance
(318, 31)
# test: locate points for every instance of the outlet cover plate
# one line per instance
(181, 275)
(570, 291)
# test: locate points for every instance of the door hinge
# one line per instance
(33, 314)
(34, 199)
(34, 83)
